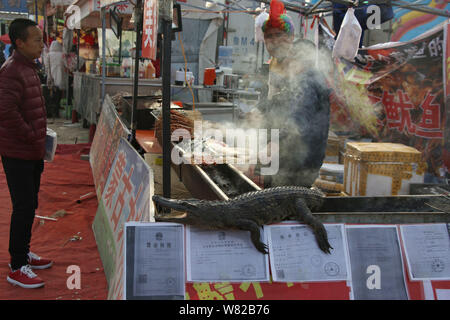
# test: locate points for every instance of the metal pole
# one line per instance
(44, 9)
(227, 17)
(262, 54)
(78, 50)
(36, 13)
(166, 18)
(138, 18)
(103, 15)
(67, 95)
(257, 54)
(120, 47)
(318, 3)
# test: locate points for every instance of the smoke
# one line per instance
(286, 135)
(298, 106)
(357, 103)
(216, 143)
(295, 118)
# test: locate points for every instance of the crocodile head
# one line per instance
(186, 205)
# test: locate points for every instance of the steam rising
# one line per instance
(299, 109)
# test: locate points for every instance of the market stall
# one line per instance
(91, 87)
(377, 181)
(237, 271)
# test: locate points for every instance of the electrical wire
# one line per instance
(185, 71)
(207, 9)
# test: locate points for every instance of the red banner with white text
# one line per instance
(394, 92)
(150, 29)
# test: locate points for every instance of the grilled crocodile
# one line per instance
(249, 211)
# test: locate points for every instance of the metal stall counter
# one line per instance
(87, 92)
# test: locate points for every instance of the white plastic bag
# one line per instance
(347, 42)
(50, 145)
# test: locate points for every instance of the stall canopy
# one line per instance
(89, 11)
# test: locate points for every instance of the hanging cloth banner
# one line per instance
(150, 29)
(394, 92)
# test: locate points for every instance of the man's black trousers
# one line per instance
(24, 179)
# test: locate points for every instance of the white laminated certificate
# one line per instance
(223, 255)
(154, 261)
(296, 257)
(427, 248)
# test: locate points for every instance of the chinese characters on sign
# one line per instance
(104, 146)
(126, 197)
(150, 29)
(398, 107)
(406, 85)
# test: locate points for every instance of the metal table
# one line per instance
(87, 92)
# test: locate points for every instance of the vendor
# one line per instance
(298, 103)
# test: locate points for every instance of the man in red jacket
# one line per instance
(23, 126)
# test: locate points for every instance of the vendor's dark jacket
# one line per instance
(301, 112)
(23, 121)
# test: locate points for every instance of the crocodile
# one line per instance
(250, 211)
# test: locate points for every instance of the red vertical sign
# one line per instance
(150, 29)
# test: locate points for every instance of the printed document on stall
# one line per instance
(296, 257)
(223, 255)
(154, 261)
(427, 249)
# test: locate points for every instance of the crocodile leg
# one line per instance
(255, 234)
(319, 230)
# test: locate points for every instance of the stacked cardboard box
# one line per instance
(381, 169)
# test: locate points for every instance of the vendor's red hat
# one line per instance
(278, 18)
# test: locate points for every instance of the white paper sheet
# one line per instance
(154, 261)
(223, 255)
(296, 257)
(376, 263)
(427, 248)
(443, 294)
